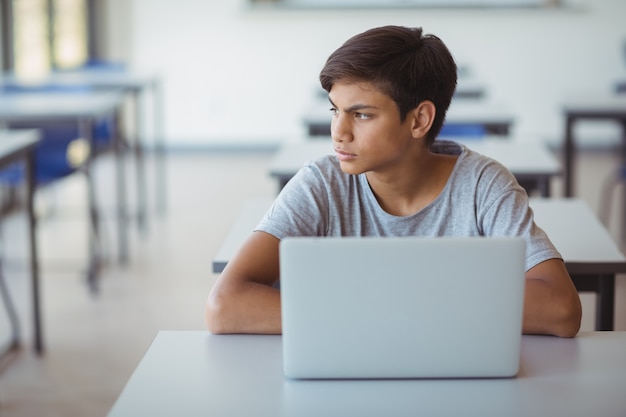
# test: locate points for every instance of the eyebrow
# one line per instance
(354, 107)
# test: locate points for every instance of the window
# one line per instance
(43, 35)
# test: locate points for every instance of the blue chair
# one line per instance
(463, 130)
(52, 157)
(103, 65)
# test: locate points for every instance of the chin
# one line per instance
(350, 169)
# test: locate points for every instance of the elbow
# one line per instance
(569, 319)
(559, 317)
(214, 314)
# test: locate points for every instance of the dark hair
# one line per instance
(404, 64)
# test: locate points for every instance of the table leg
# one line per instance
(11, 313)
(544, 186)
(161, 186)
(34, 257)
(620, 178)
(120, 174)
(568, 157)
(541, 184)
(282, 181)
(93, 268)
(138, 147)
(605, 305)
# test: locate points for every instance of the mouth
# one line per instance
(344, 156)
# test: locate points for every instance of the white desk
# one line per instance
(531, 162)
(591, 256)
(494, 117)
(194, 373)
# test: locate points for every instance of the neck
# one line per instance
(411, 186)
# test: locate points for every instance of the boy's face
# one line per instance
(366, 129)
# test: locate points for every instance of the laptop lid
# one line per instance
(403, 307)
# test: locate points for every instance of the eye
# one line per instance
(362, 116)
(334, 111)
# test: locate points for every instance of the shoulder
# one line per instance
(481, 180)
(478, 164)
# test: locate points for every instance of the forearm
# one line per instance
(246, 308)
(547, 311)
(243, 299)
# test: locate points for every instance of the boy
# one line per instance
(389, 89)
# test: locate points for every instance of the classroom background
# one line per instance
(237, 75)
(236, 79)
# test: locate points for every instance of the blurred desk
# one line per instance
(195, 373)
(588, 108)
(532, 163)
(469, 88)
(137, 86)
(82, 110)
(18, 146)
(591, 256)
(495, 119)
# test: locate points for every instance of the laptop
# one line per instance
(405, 307)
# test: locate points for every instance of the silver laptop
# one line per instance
(401, 307)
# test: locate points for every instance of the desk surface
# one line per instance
(14, 143)
(522, 158)
(194, 373)
(594, 105)
(584, 243)
(16, 107)
(90, 78)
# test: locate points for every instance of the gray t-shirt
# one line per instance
(481, 198)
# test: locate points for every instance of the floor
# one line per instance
(93, 342)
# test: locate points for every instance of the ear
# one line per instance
(422, 118)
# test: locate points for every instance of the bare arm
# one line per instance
(242, 299)
(551, 302)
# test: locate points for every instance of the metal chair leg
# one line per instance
(12, 314)
(604, 211)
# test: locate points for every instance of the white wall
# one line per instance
(234, 75)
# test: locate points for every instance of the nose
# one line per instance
(340, 130)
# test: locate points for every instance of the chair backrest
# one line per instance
(463, 130)
(103, 65)
(52, 160)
